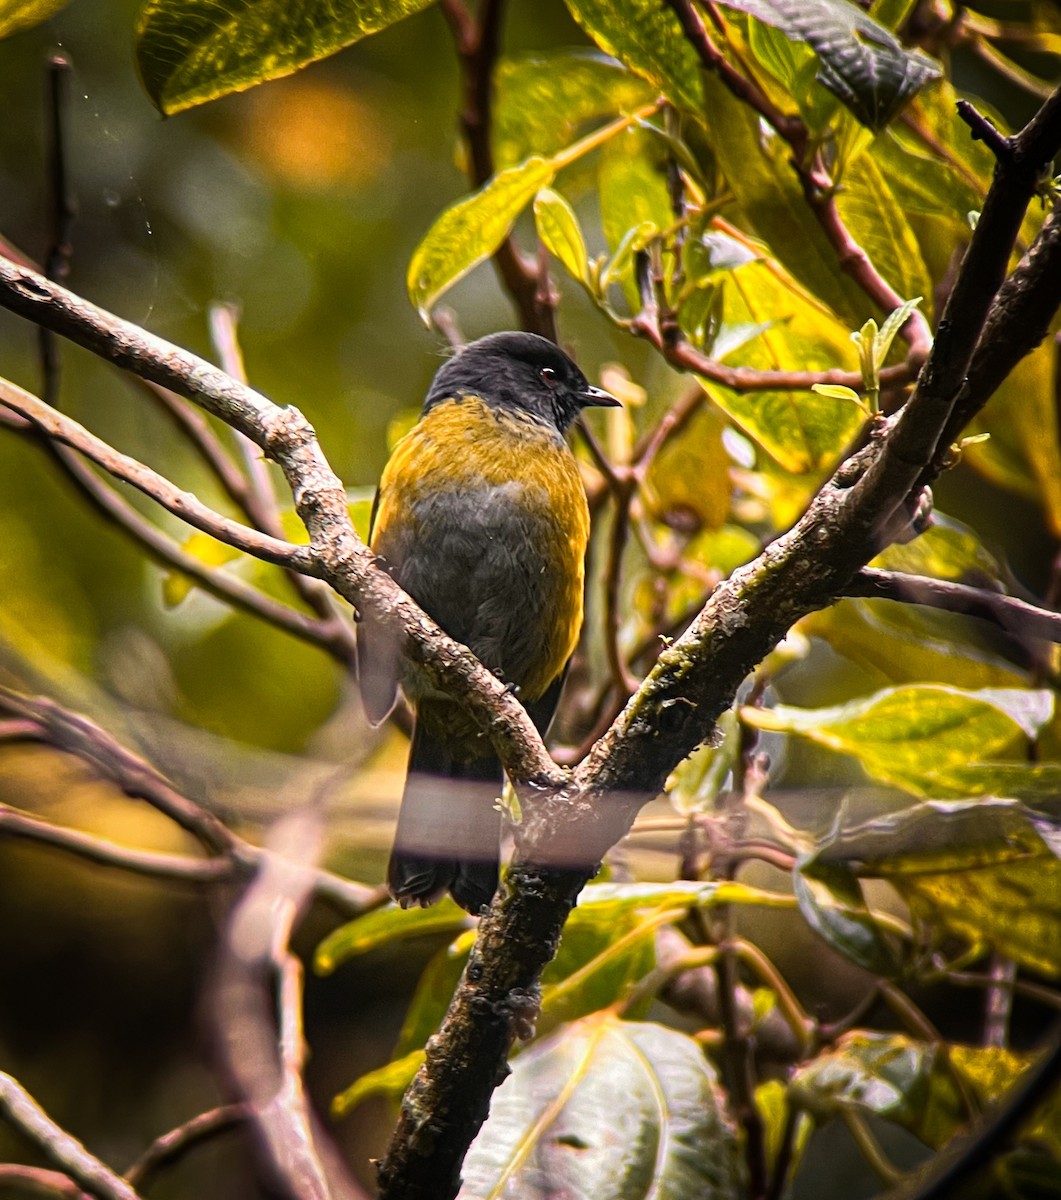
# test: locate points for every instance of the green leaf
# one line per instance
(832, 904)
(757, 169)
(385, 925)
(862, 63)
(433, 994)
(773, 1104)
(192, 51)
(390, 1081)
(1024, 451)
(633, 196)
(471, 230)
(902, 643)
(559, 230)
(931, 740)
(647, 37)
(611, 1110)
(545, 100)
(978, 868)
(913, 1084)
(802, 431)
(16, 15)
(948, 549)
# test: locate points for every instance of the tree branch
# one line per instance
(65, 1151)
(1017, 617)
(337, 554)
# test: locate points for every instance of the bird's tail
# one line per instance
(449, 828)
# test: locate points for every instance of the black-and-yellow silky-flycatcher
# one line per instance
(481, 517)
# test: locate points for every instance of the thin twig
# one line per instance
(176, 1143)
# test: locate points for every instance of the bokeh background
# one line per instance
(300, 202)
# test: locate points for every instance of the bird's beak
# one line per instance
(595, 397)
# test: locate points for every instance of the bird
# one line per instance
(481, 517)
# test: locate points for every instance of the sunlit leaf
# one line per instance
(471, 230)
(611, 1110)
(861, 62)
(605, 913)
(758, 171)
(930, 739)
(832, 904)
(559, 231)
(16, 15)
(948, 549)
(385, 925)
(647, 37)
(544, 100)
(632, 188)
(980, 869)
(773, 1105)
(191, 51)
(801, 430)
(176, 586)
(689, 478)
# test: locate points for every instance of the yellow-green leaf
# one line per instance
(16, 15)
(471, 230)
(544, 100)
(385, 925)
(559, 230)
(192, 51)
(390, 1081)
(176, 586)
(979, 869)
(647, 37)
(932, 740)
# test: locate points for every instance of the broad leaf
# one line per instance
(611, 1110)
(471, 230)
(544, 100)
(802, 431)
(902, 643)
(389, 1081)
(757, 169)
(646, 36)
(933, 740)
(16, 15)
(980, 869)
(1024, 450)
(559, 231)
(832, 904)
(191, 51)
(913, 1084)
(862, 63)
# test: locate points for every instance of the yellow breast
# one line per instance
(482, 518)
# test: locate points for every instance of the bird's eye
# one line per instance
(548, 375)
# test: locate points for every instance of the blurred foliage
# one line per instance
(888, 784)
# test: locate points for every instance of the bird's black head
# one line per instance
(519, 371)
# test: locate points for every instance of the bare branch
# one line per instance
(26, 1115)
(182, 504)
(338, 555)
(1017, 617)
(174, 1145)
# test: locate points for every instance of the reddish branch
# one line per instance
(819, 189)
(478, 46)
